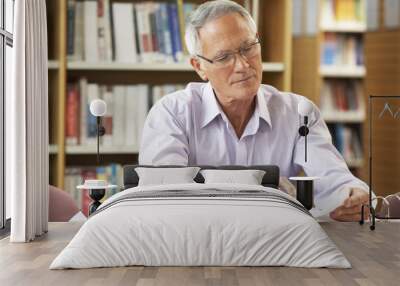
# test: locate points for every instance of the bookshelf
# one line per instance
(267, 67)
(274, 26)
(344, 27)
(342, 71)
(382, 58)
(328, 68)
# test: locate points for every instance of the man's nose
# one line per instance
(241, 61)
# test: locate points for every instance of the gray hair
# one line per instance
(207, 12)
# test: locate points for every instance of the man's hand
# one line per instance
(350, 210)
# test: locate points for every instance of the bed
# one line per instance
(201, 224)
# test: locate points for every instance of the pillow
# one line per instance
(163, 176)
(248, 177)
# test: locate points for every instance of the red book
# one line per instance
(72, 116)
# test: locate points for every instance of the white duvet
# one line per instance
(183, 231)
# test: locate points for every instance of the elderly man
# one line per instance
(234, 119)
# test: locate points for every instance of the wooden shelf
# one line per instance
(76, 150)
(345, 27)
(52, 64)
(344, 116)
(112, 66)
(342, 71)
(315, 80)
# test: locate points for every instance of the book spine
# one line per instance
(169, 52)
(72, 123)
(140, 32)
(107, 31)
(175, 33)
(160, 32)
(181, 23)
(78, 32)
(153, 33)
(90, 31)
(136, 34)
(107, 119)
(101, 41)
(119, 115)
(131, 108)
(71, 28)
(93, 93)
(83, 110)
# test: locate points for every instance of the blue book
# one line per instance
(166, 31)
(160, 31)
(339, 137)
(175, 32)
(91, 124)
(329, 49)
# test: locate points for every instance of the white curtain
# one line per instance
(27, 124)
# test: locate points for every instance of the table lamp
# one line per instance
(98, 108)
(97, 188)
(304, 185)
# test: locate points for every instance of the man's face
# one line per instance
(241, 79)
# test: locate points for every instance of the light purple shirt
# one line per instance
(188, 127)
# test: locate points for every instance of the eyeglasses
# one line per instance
(228, 59)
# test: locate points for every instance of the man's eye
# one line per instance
(247, 49)
(223, 58)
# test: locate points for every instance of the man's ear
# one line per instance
(197, 67)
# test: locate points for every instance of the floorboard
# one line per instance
(374, 255)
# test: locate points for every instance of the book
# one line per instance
(342, 12)
(328, 16)
(119, 97)
(181, 21)
(91, 122)
(173, 22)
(342, 95)
(142, 109)
(78, 33)
(107, 119)
(104, 30)
(342, 50)
(71, 114)
(90, 31)
(345, 10)
(71, 28)
(84, 107)
(347, 141)
(130, 116)
(124, 30)
(169, 53)
(146, 32)
(127, 109)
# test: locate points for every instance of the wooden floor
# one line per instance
(375, 257)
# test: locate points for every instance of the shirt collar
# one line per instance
(211, 108)
(262, 107)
